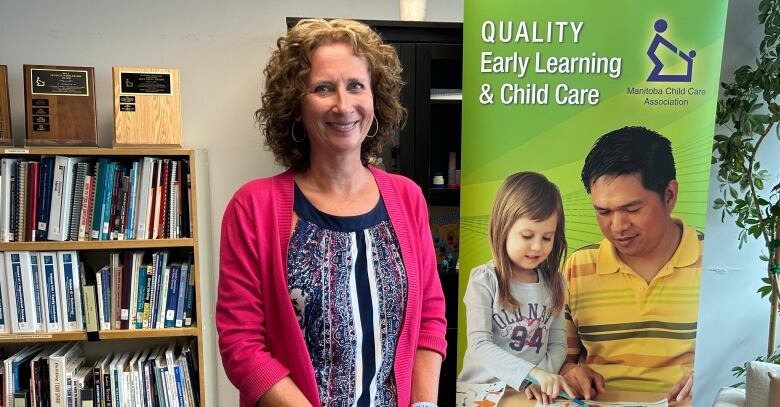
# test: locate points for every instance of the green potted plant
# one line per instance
(749, 115)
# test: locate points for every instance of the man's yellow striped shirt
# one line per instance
(639, 336)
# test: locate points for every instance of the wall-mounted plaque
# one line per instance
(60, 105)
(5, 109)
(147, 107)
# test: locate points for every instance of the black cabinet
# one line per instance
(431, 54)
(432, 57)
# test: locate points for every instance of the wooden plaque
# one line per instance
(59, 106)
(5, 109)
(147, 107)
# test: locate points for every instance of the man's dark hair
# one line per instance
(631, 150)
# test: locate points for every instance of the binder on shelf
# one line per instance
(57, 198)
(44, 197)
(52, 291)
(7, 177)
(5, 325)
(180, 302)
(31, 225)
(70, 285)
(143, 206)
(19, 275)
(36, 272)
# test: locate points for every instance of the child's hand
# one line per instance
(550, 385)
(534, 391)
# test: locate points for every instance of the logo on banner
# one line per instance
(660, 41)
(667, 85)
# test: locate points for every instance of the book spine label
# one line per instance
(37, 291)
(52, 299)
(68, 273)
(21, 311)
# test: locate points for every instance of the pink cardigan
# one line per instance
(259, 336)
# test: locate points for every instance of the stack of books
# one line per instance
(63, 198)
(60, 375)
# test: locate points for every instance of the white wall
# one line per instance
(220, 48)
(733, 319)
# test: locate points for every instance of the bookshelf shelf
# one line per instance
(44, 337)
(87, 151)
(98, 245)
(149, 333)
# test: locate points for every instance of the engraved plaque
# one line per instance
(60, 105)
(5, 109)
(147, 107)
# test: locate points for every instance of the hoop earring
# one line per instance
(292, 133)
(377, 128)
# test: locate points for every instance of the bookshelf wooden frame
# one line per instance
(196, 330)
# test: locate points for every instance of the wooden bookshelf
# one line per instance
(149, 333)
(98, 245)
(195, 331)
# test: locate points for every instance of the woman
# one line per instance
(325, 268)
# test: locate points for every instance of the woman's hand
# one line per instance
(283, 393)
(550, 386)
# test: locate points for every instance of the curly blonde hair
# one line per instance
(285, 86)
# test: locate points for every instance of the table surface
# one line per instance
(517, 399)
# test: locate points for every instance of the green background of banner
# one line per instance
(499, 140)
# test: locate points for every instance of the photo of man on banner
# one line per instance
(646, 270)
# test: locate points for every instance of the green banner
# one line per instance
(542, 81)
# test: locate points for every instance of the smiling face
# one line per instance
(338, 107)
(636, 220)
(529, 242)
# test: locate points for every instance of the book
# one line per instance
(31, 222)
(164, 192)
(89, 293)
(70, 286)
(108, 200)
(153, 225)
(182, 295)
(58, 362)
(52, 291)
(134, 181)
(57, 199)
(36, 272)
(129, 268)
(104, 283)
(19, 275)
(189, 306)
(7, 176)
(44, 197)
(173, 295)
(20, 197)
(77, 199)
(186, 203)
(86, 208)
(69, 191)
(100, 185)
(142, 206)
(5, 325)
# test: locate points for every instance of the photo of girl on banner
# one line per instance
(621, 131)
